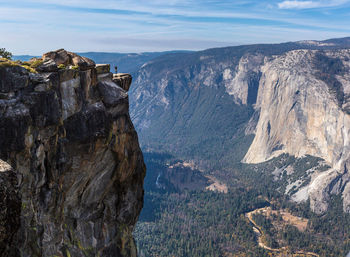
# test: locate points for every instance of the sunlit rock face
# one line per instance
(74, 170)
(303, 104)
(297, 102)
(242, 83)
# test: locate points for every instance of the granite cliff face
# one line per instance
(242, 83)
(302, 101)
(72, 184)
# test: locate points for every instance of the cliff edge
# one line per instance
(72, 171)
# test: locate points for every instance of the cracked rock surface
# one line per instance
(72, 176)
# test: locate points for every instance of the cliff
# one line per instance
(72, 184)
(303, 101)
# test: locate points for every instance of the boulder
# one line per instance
(47, 66)
(60, 56)
(63, 57)
(84, 63)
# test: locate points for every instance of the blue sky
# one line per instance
(34, 27)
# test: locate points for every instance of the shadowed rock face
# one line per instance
(76, 187)
(10, 209)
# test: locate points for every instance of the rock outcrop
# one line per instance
(76, 183)
(123, 80)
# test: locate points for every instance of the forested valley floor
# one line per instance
(198, 222)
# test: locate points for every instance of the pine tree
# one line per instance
(5, 54)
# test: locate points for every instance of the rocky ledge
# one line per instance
(72, 180)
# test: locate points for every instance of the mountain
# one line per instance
(23, 58)
(267, 127)
(126, 62)
(204, 106)
(237, 130)
(303, 104)
(72, 171)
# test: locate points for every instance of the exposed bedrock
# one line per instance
(72, 183)
(302, 99)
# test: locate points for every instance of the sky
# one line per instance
(37, 26)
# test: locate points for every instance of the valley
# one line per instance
(243, 123)
(230, 132)
(195, 222)
(181, 128)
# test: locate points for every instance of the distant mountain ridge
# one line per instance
(126, 62)
(206, 67)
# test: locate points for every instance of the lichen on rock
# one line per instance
(77, 177)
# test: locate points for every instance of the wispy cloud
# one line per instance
(309, 4)
(151, 25)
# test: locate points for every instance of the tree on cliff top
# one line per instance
(5, 54)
